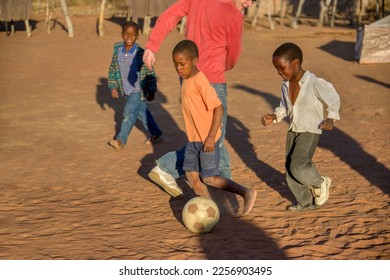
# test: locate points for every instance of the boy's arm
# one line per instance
(280, 112)
(209, 143)
(112, 81)
(112, 71)
(328, 94)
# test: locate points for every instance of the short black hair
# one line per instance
(130, 23)
(188, 47)
(289, 51)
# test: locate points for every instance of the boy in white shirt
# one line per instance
(303, 98)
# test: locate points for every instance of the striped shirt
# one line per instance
(129, 69)
(148, 83)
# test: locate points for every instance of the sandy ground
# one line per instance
(65, 194)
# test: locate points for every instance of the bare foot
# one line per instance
(249, 201)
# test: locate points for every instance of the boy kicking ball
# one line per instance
(203, 111)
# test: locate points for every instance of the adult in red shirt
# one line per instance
(216, 26)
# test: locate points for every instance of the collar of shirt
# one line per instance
(304, 78)
(131, 51)
(301, 81)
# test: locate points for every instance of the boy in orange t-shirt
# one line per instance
(203, 111)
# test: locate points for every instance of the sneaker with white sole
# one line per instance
(322, 193)
(165, 181)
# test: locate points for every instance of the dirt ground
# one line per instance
(65, 194)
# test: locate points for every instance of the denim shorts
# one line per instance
(206, 163)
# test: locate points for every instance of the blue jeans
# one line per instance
(172, 162)
(136, 108)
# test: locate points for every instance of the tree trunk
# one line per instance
(101, 19)
(67, 18)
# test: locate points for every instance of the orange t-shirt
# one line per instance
(199, 99)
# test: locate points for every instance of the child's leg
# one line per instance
(301, 173)
(148, 121)
(172, 163)
(223, 183)
(191, 168)
(301, 192)
(209, 162)
(130, 113)
(197, 185)
(302, 167)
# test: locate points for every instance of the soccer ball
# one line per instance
(200, 215)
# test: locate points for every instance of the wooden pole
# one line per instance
(101, 19)
(28, 27)
(67, 18)
(48, 17)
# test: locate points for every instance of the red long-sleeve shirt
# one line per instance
(215, 26)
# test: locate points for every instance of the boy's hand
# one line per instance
(327, 124)
(114, 93)
(208, 145)
(149, 58)
(267, 119)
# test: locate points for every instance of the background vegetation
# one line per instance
(77, 7)
(119, 6)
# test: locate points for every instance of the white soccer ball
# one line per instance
(200, 215)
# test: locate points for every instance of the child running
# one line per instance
(304, 97)
(203, 113)
(132, 79)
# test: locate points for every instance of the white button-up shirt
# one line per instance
(316, 101)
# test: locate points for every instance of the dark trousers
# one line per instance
(301, 172)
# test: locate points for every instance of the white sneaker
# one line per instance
(322, 193)
(166, 181)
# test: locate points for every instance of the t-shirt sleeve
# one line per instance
(209, 95)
